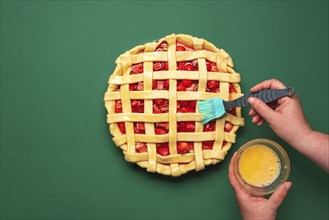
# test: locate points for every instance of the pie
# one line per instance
(152, 102)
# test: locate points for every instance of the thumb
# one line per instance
(278, 196)
(262, 109)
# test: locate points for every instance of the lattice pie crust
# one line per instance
(151, 104)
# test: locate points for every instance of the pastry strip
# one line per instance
(126, 105)
(172, 103)
(148, 109)
(163, 94)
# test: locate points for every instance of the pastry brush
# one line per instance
(216, 107)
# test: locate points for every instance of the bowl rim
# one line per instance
(284, 161)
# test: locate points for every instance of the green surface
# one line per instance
(57, 157)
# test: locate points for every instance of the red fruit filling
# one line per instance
(228, 126)
(209, 127)
(184, 147)
(136, 86)
(164, 125)
(231, 88)
(141, 147)
(186, 126)
(137, 68)
(212, 67)
(187, 85)
(160, 106)
(160, 84)
(188, 65)
(186, 106)
(137, 106)
(207, 145)
(183, 106)
(160, 131)
(139, 128)
(118, 106)
(163, 149)
(122, 127)
(158, 66)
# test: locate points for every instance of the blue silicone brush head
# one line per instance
(211, 109)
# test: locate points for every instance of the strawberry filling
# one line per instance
(161, 106)
(186, 106)
(118, 106)
(212, 67)
(184, 147)
(137, 68)
(139, 128)
(137, 106)
(141, 147)
(162, 149)
(186, 126)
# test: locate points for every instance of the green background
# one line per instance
(57, 157)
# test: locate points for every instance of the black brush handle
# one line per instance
(267, 95)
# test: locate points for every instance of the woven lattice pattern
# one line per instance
(151, 102)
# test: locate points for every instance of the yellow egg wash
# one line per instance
(259, 165)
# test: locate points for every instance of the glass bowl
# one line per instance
(284, 168)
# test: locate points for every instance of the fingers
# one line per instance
(261, 122)
(278, 196)
(252, 112)
(231, 171)
(263, 110)
(268, 84)
(234, 183)
(256, 119)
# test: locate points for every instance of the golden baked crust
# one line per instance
(176, 163)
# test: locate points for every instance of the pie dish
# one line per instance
(152, 100)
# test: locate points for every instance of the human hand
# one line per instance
(285, 116)
(252, 207)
